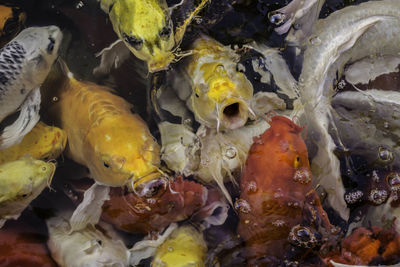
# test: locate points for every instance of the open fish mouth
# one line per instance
(150, 184)
(233, 113)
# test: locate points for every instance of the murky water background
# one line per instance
(87, 30)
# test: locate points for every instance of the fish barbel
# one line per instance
(21, 181)
(220, 93)
(103, 134)
(43, 142)
(146, 28)
(347, 35)
(24, 65)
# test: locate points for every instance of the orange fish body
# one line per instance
(277, 202)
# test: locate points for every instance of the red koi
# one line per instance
(278, 208)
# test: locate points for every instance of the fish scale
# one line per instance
(24, 64)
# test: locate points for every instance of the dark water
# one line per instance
(87, 30)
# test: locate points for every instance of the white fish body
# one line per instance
(347, 35)
(24, 65)
(92, 246)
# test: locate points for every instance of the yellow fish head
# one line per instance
(146, 29)
(123, 151)
(221, 99)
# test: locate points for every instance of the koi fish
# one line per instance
(103, 134)
(128, 212)
(345, 36)
(209, 155)
(21, 181)
(220, 94)
(98, 246)
(368, 246)
(43, 142)
(184, 247)
(23, 245)
(278, 208)
(146, 28)
(24, 64)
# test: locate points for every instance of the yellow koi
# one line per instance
(221, 95)
(21, 181)
(43, 142)
(184, 247)
(146, 28)
(103, 134)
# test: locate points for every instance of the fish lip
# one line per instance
(143, 186)
(237, 116)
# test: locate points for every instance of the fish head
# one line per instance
(221, 98)
(40, 45)
(27, 177)
(290, 152)
(122, 150)
(146, 29)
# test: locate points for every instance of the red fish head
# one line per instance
(281, 153)
(177, 201)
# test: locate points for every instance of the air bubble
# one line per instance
(377, 196)
(252, 187)
(353, 197)
(230, 152)
(393, 179)
(385, 155)
(242, 205)
(276, 18)
(302, 236)
(302, 176)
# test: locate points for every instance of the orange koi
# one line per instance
(278, 208)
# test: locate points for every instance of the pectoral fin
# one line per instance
(112, 57)
(27, 119)
(90, 209)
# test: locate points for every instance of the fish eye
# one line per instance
(196, 94)
(133, 41)
(165, 32)
(24, 195)
(106, 165)
(50, 47)
(44, 168)
(296, 162)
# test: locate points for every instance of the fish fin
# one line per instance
(353, 38)
(27, 119)
(90, 209)
(304, 25)
(147, 248)
(214, 214)
(180, 30)
(220, 182)
(111, 57)
(2, 222)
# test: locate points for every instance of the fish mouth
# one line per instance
(149, 185)
(233, 113)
